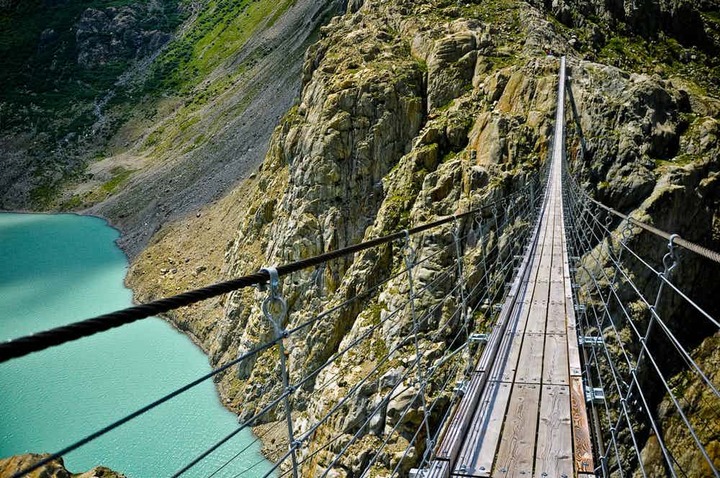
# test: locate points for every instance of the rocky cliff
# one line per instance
(408, 110)
(54, 469)
(142, 112)
(414, 110)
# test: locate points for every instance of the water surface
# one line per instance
(57, 269)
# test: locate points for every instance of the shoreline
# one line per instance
(268, 446)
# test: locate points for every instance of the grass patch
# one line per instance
(120, 176)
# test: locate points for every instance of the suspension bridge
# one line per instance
(545, 370)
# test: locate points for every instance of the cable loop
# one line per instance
(670, 260)
(626, 231)
(274, 301)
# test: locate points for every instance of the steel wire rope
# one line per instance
(407, 372)
(341, 433)
(676, 240)
(624, 396)
(417, 433)
(402, 343)
(615, 375)
(424, 420)
(257, 438)
(689, 361)
(265, 410)
(404, 413)
(42, 340)
(671, 336)
(572, 233)
(634, 378)
(212, 373)
(407, 408)
(623, 413)
(293, 387)
(22, 346)
(450, 354)
(227, 437)
(87, 439)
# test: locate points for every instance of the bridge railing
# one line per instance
(649, 392)
(478, 250)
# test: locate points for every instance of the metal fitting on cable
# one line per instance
(670, 259)
(274, 299)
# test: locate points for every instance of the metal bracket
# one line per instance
(479, 338)
(591, 341)
(460, 388)
(594, 395)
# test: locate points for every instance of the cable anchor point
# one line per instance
(670, 260)
(274, 306)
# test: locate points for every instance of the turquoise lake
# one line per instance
(57, 269)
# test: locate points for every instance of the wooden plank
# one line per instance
(506, 373)
(573, 353)
(555, 360)
(582, 446)
(556, 323)
(529, 369)
(537, 317)
(478, 452)
(554, 453)
(515, 455)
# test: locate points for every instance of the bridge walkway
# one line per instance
(524, 412)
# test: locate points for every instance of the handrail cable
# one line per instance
(36, 342)
(370, 415)
(669, 334)
(216, 371)
(689, 245)
(288, 392)
(645, 350)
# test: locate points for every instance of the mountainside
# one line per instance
(181, 122)
(142, 112)
(412, 110)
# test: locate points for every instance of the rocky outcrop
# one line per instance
(116, 33)
(54, 469)
(410, 111)
(391, 130)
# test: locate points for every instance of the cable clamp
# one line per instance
(290, 389)
(274, 307)
(670, 259)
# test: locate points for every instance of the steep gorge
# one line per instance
(414, 110)
(409, 110)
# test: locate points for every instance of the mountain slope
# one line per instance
(413, 110)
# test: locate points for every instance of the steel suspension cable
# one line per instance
(22, 346)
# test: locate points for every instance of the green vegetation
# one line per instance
(43, 83)
(220, 30)
(120, 177)
(664, 56)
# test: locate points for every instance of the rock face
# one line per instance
(54, 469)
(411, 110)
(113, 34)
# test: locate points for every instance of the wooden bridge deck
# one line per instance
(524, 412)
